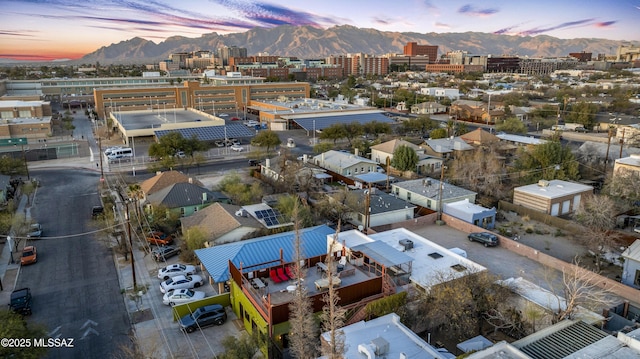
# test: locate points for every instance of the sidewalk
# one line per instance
(9, 271)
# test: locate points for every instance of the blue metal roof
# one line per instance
(212, 133)
(261, 250)
(322, 122)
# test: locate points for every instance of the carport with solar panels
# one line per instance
(319, 123)
(271, 217)
(212, 133)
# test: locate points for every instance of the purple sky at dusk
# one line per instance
(55, 29)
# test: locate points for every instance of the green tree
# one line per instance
(13, 325)
(583, 113)
(550, 160)
(334, 132)
(195, 238)
(244, 347)
(512, 125)
(267, 139)
(240, 193)
(170, 144)
(352, 130)
(11, 166)
(404, 159)
(322, 147)
(438, 133)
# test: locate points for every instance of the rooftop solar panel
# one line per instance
(320, 123)
(212, 133)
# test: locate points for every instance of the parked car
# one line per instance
(203, 317)
(173, 270)
(97, 211)
(237, 148)
(161, 254)
(29, 255)
(219, 144)
(181, 282)
(159, 239)
(235, 118)
(253, 163)
(35, 231)
(21, 301)
(224, 115)
(180, 154)
(180, 296)
(235, 141)
(486, 238)
(251, 123)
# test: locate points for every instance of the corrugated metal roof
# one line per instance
(261, 250)
(383, 253)
(563, 342)
(322, 122)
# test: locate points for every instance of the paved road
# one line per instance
(75, 286)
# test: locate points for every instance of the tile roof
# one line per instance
(218, 219)
(181, 194)
(479, 136)
(262, 250)
(164, 179)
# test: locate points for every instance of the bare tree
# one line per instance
(578, 288)
(623, 186)
(479, 170)
(303, 333)
(597, 214)
(332, 314)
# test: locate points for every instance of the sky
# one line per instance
(45, 30)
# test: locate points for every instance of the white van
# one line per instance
(124, 153)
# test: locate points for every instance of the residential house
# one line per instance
(182, 198)
(303, 176)
(164, 179)
(521, 113)
(384, 337)
(631, 266)
(480, 137)
(428, 108)
(446, 147)
(221, 223)
(477, 113)
(426, 193)
(383, 152)
(471, 213)
(379, 208)
(519, 140)
(555, 197)
(344, 164)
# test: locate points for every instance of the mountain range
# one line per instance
(308, 42)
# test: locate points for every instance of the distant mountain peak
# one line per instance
(313, 42)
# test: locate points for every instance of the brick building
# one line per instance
(413, 49)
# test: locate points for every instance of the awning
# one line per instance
(383, 253)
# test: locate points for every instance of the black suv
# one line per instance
(161, 254)
(486, 238)
(21, 301)
(203, 317)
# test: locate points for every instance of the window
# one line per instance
(397, 191)
(429, 203)
(355, 170)
(408, 195)
(637, 280)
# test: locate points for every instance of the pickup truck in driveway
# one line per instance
(21, 301)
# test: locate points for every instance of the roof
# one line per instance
(255, 251)
(429, 187)
(560, 340)
(445, 145)
(383, 253)
(464, 206)
(529, 140)
(432, 263)
(212, 133)
(390, 146)
(381, 202)
(372, 177)
(164, 179)
(182, 194)
(385, 330)
(267, 216)
(555, 189)
(633, 160)
(218, 219)
(479, 136)
(339, 159)
(633, 251)
(322, 122)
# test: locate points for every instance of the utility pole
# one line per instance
(621, 143)
(100, 154)
(440, 190)
(367, 208)
(133, 267)
(606, 159)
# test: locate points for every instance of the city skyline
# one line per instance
(61, 29)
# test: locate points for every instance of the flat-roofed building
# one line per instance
(25, 119)
(555, 197)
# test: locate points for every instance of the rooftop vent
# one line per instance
(543, 183)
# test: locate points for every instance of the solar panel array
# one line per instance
(211, 133)
(271, 217)
(323, 122)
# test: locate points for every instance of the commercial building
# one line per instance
(413, 49)
(25, 119)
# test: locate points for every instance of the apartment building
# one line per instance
(413, 49)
